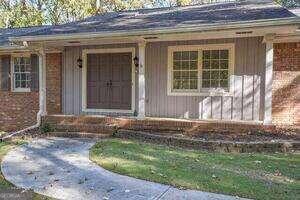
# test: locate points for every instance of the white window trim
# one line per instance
(201, 91)
(12, 69)
(85, 52)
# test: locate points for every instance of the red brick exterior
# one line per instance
(54, 83)
(286, 84)
(18, 110)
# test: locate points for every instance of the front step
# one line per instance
(88, 128)
(79, 135)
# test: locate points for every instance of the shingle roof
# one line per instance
(162, 18)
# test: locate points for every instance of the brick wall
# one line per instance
(18, 110)
(286, 84)
(54, 83)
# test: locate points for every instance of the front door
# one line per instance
(109, 81)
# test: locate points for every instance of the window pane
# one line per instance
(193, 74)
(193, 65)
(224, 54)
(185, 84)
(185, 55)
(214, 83)
(176, 84)
(206, 54)
(206, 75)
(23, 84)
(176, 65)
(215, 64)
(22, 68)
(185, 65)
(185, 75)
(17, 84)
(17, 68)
(17, 76)
(205, 83)
(177, 75)
(215, 54)
(206, 64)
(27, 61)
(28, 77)
(223, 64)
(224, 83)
(23, 77)
(224, 74)
(215, 75)
(177, 56)
(194, 55)
(194, 84)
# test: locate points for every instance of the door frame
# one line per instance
(85, 52)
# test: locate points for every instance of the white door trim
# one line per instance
(85, 52)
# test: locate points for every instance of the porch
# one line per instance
(105, 86)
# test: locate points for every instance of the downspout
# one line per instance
(42, 98)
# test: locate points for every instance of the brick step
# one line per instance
(57, 119)
(88, 128)
(78, 135)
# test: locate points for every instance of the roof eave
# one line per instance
(182, 29)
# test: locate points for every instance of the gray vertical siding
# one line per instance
(245, 104)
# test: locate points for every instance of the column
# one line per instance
(42, 82)
(141, 78)
(268, 83)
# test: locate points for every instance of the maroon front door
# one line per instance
(109, 81)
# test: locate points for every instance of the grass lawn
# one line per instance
(257, 176)
(4, 148)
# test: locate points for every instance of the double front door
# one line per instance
(109, 81)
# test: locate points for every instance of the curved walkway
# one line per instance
(60, 168)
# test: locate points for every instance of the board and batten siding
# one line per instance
(246, 103)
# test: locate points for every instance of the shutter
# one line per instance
(5, 73)
(34, 86)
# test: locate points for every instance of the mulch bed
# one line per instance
(255, 136)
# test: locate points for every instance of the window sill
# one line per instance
(210, 94)
(21, 90)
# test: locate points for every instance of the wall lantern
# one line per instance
(136, 61)
(79, 62)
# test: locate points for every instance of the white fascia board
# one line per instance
(186, 29)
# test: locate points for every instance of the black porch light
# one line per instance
(79, 62)
(136, 61)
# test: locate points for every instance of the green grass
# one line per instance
(4, 148)
(257, 176)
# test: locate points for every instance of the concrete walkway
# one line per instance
(60, 168)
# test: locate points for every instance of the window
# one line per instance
(200, 70)
(21, 74)
(185, 70)
(215, 65)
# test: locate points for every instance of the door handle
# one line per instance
(110, 83)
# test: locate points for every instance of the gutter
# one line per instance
(42, 99)
(182, 29)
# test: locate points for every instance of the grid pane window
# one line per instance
(185, 70)
(21, 72)
(215, 72)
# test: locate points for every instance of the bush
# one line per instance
(46, 128)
